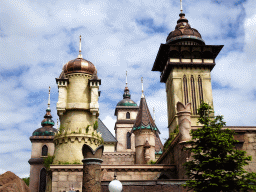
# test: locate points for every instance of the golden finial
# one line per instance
(181, 6)
(142, 95)
(80, 51)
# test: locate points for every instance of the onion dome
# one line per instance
(184, 32)
(79, 65)
(47, 124)
(126, 97)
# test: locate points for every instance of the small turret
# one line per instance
(145, 132)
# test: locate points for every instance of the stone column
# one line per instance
(92, 168)
(184, 120)
(92, 175)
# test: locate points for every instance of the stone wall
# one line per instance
(118, 158)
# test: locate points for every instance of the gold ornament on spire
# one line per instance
(80, 51)
(181, 6)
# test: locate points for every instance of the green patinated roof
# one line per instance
(126, 104)
(47, 123)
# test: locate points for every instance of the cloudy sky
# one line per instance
(38, 37)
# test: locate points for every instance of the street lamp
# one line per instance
(115, 185)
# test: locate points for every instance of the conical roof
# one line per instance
(144, 119)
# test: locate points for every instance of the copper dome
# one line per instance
(183, 31)
(79, 65)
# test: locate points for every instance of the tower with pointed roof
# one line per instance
(145, 130)
(126, 112)
(185, 63)
(42, 146)
(78, 110)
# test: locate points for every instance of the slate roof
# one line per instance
(106, 134)
(144, 119)
(159, 145)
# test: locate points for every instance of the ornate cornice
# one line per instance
(118, 154)
(48, 139)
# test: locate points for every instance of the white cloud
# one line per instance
(109, 121)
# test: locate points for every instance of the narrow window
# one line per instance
(127, 115)
(42, 184)
(200, 87)
(193, 93)
(44, 150)
(128, 140)
(185, 87)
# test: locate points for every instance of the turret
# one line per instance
(42, 146)
(78, 110)
(145, 133)
(185, 63)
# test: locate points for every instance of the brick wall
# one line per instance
(118, 158)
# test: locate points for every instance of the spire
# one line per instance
(154, 115)
(142, 95)
(48, 108)
(181, 6)
(126, 90)
(126, 78)
(80, 51)
(144, 119)
(48, 117)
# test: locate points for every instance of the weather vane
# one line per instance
(181, 6)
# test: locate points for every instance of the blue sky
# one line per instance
(39, 37)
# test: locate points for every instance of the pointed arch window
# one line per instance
(200, 88)
(128, 115)
(185, 87)
(42, 184)
(193, 94)
(44, 150)
(128, 140)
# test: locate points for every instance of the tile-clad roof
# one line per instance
(106, 134)
(144, 119)
(159, 144)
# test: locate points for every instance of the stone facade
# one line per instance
(118, 158)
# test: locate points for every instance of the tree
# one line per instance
(26, 180)
(216, 165)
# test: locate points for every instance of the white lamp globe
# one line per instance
(115, 186)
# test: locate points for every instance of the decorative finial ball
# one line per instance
(115, 186)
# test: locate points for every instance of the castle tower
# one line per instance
(126, 112)
(185, 63)
(42, 146)
(78, 110)
(145, 133)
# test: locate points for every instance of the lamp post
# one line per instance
(115, 185)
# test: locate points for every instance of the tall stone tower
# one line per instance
(126, 112)
(78, 110)
(145, 133)
(42, 146)
(185, 63)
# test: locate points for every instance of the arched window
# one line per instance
(128, 140)
(185, 55)
(196, 55)
(200, 87)
(127, 115)
(42, 184)
(185, 87)
(44, 150)
(193, 94)
(174, 54)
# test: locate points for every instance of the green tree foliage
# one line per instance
(216, 165)
(48, 161)
(26, 180)
(95, 125)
